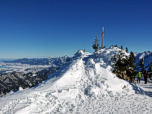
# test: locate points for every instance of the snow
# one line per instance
(20, 88)
(139, 56)
(147, 55)
(85, 85)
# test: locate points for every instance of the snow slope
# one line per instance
(147, 87)
(147, 55)
(85, 85)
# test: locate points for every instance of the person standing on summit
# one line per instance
(138, 76)
(145, 76)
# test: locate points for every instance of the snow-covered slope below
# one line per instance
(85, 85)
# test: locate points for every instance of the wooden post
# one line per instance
(102, 35)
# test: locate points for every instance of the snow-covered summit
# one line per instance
(147, 55)
(84, 85)
(108, 53)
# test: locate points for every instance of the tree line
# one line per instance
(124, 66)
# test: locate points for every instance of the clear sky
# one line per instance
(53, 28)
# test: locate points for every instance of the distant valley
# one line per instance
(27, 73)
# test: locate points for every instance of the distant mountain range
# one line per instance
(29, 76)
(147, 55)
(43, 61)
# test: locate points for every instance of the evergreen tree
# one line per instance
(116, 45)
(126, 49)
(84, 50)
(113, 58)
(131, 64)
(120, 64)
(95, 44)
(121, 47)
(124, 63)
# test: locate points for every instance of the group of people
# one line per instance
(145, 76)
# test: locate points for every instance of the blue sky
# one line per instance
(53, 28)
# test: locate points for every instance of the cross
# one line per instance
(102, 35)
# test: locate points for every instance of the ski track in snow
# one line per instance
(83, 86)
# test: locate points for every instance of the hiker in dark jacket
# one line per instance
(145, 76)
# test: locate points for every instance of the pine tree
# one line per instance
(131, 65)
(95, 44)
(116, 45)
(121, 47)
(113, 58)
(126, 49)
(120, 64)
(124, 63)
(84, 50)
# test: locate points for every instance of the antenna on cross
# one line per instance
(102, 35)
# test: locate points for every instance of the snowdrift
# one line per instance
(84, 85)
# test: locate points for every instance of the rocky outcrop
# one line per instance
(14, 80)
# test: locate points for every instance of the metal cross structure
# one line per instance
(102, 35)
